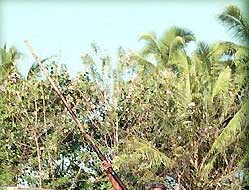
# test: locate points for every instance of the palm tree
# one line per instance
(209, 80)
(164, 53)
(236, 62)
(235, 20)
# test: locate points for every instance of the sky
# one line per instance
(67, 28)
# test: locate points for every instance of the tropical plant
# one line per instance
(157, 114)
(235, 20)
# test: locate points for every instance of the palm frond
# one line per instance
(228, 135)
(232, 130)
(170, 35)
(225, 48)
(139, 152)
(222, 83)
(234, 20)
(203, 51)
(33, 71)
(206, 169)
(152, 45)
(141, 61)
(7, 62)
(202, 57)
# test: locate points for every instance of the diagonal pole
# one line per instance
(87, 137)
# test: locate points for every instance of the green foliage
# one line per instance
(222, 83)
(7, 176)
(235, 20)
(143, 158)
(157, 113)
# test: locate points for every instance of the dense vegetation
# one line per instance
(156, 114)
